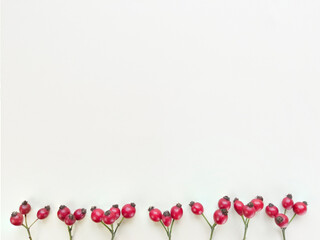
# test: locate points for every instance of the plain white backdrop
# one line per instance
(160, 102)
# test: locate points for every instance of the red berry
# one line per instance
(176, 211)
(258, 203)
(96, 214)
(24, 208)
(287, 202)
(238, 206)
(109, 217)
(220, 216)
(248, 210)
(63, 212)
(300, 208)
(155, 214)
(70, 219)
(80, 213)
(128, 210)
(115, 210)
(196, 208)
(282, 220)
(224, 203)
(16, 219)
(271, 210)
(166, 218)
(43, 212)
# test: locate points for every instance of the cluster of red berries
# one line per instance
(166, 218)
(18, 217)
(220, 216)
(109, 217)
(65, 215)
(248, 211)
(281, 219)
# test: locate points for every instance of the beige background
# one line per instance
(158, 102)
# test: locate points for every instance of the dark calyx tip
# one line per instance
(47, 208)
(133, 204)
(166, 214)
(150, 208)
(191, 203)
(270, 205)
(93, 208)
(62, 207)
(305, 203)
(226, 198)
(224, 211)
(279, 219)
(24, 202)
(260, 198)
(107, 213)
(13, 214)
(179, 205)
(235, 199)
(115, 206)
(250, 204)
(289, 196)
(83, 211)
(71, 216)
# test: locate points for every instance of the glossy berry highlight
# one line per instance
(24, 208)
(176, 211)
(196, 208)
(271, 210)
(128, 210)
(224, 203)
(220, 216)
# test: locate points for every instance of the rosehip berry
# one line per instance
(128, 210)
(248, 210)
(196, 208)
(282, 220)
(258, 203)
(70, 219)
(300, 208)
(96, 214)
(176, 211)
(224, 203)
(109, 217)
(24, 208)
(115, 210)
(220, 216)
(155, 214)
(287, 202)
(16, 219)
(166, 218)
(238, 206)
(271, 210)
(63, 212)
(43, 212)
(80, 213)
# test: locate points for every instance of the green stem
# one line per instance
(246, 228)
(33, 223)
(285, 211)
(171, 228)
(118, 225)
(69, 231)
(164, 227)
(26, 227)
(212, 230)
(284, 233)
(107, 227)
(206, 220)
(292, 218)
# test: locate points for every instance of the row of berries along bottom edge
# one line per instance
(112, 218)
